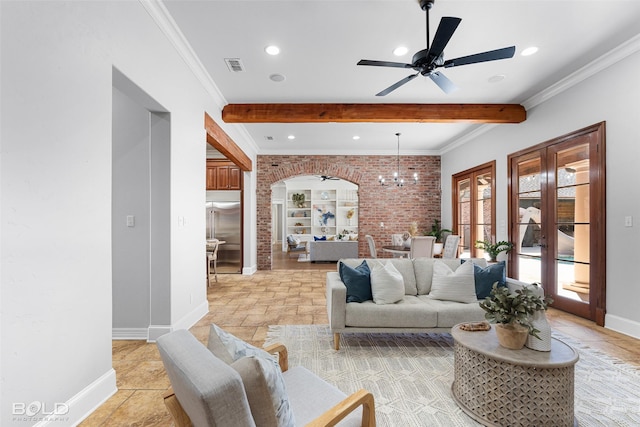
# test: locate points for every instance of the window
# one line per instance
(474, 211)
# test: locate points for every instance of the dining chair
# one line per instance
(212, 259)
(450, 249)
(372, 246)
(422, 247)
(397, 240)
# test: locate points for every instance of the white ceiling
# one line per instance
(322, 40)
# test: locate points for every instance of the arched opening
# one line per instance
(309, 208)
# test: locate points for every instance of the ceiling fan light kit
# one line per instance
(425, 61)
(397, 179)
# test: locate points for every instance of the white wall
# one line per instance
(56, 82)
(612, 96)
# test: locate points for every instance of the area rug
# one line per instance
(410, 376)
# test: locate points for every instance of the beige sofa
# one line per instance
(416, 312)
(332, 250)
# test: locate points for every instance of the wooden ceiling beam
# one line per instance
(377, 113)
(222, 142)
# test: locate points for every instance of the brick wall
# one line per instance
(396, 207)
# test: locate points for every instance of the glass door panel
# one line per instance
(528, 232)
(572, 223)
(464, 216)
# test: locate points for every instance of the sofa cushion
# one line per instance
(486, 277)
(387, 285)
(269, 376)
(357, 281)
(449, 285)
(407, 313)
(311, 395)
(424, 270)
(450, 313)
(405, 267)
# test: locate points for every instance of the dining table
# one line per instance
(397, 251)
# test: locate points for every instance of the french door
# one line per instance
(557, 216)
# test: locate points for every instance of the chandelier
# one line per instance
(397, 178)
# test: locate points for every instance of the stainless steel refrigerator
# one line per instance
(224, 223)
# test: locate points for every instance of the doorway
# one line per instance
(557, 216)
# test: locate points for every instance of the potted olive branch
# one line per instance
(493, 249)
(512, 313)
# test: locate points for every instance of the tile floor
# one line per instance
(245, 306)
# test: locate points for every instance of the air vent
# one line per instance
(234, 65)
(268, 138)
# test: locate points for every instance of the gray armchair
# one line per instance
(295, 246)
(210, 391)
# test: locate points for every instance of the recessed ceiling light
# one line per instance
(400, 50)
(272, 50)
(497, 78)
(291, 137)
(356, 137)
(529, 51)
(277, 77)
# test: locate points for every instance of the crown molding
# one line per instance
(158, 11)
(617, 54)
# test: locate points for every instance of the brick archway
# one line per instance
(394, 207)
(273, 169)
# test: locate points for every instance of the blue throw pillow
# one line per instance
(316, 238)
(358, 282)
(486, 277)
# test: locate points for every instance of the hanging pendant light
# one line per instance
(397, 179)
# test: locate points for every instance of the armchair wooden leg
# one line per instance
(336, 340)
(180, 417)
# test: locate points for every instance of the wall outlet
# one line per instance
(628, 221)
(131, 221)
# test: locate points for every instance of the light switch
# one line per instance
(131, 221)
(628, 221)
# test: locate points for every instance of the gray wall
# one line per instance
(140, 189)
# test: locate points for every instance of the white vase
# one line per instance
(539, 321)
(437, 248)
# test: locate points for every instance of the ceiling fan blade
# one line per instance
(492, 55)
(397, 85)
(443, 82)
(384, 64)
(445, 30)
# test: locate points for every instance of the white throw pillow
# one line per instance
(448, 285)
(387, 285)
(269, 375)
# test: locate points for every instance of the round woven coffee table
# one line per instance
(497, 386)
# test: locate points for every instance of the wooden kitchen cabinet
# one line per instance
(223, 175)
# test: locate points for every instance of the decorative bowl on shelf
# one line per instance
(324, 195)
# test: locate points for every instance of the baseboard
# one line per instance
(192, 317)
(156, 331)
(622, 325)
(129, 333)
(248, 271)
(83, 403)
(152, 333)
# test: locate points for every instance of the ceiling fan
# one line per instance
(427, 60)
(330, 178)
